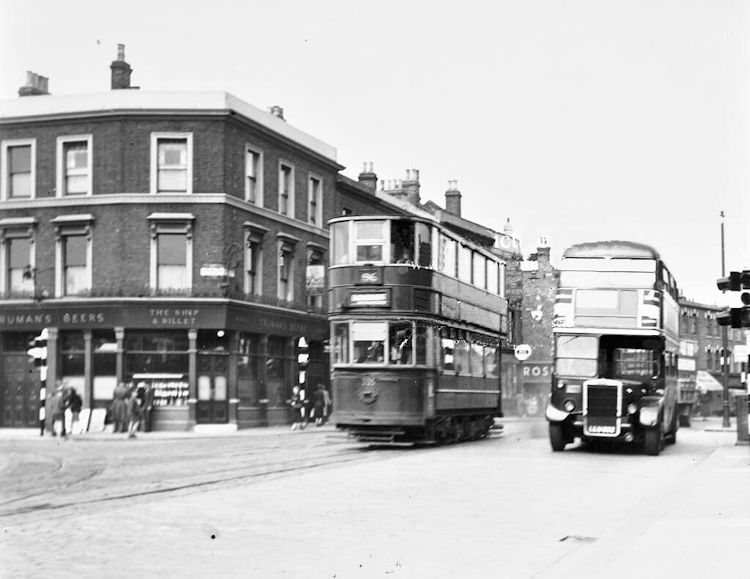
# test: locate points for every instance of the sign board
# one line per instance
(522, 352)
(315, 280)
(216, 270)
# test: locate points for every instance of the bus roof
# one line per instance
(612, 249)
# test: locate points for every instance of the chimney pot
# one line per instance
(120, 70)
(121, 52)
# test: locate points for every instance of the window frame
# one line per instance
(257, 155)
(253, 255)
(315, 209)
(10, 229)
(72, 226)
(5, 186)
(290, 200)
(286, 247)
(154, 173)
(170, 223)
(62, 168)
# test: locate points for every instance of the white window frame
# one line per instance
(315, 211)
(16, 228)
(290, 193)
(170, 223)
(254, 235)
(70, 226)
(155, 138)
(4, 163)
(251, 151)
(62, 166)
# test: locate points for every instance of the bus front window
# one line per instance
(577, 356)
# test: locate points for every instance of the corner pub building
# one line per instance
(166, 238)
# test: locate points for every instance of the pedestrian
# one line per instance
(58, 411)
(120, 408)
(520, 404)
(148, 405)
(319, 405)
(42, 409)
(328, 404)
(75, 402)
(135, 410)
(297, 402)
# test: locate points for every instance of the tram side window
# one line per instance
(370, 240)
(368, 340)
(461, 355)
(477, 360)
(402, 241)
(340, 237)
(341, 343)
(424, 245)
(448, 347)
(421, 345)
(490, 361)
(447, 262)
(400, 340)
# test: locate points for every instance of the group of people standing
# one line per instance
(302, 413)
(130, 408)
(57, 402)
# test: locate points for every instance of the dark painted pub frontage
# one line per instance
(218, 362)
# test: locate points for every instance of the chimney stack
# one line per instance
(277, 111)
(36, 84)
(411, 186)
(367, 177)
(453, 199)
(542, 256)
(120, 70)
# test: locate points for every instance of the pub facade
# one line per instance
(172, 240)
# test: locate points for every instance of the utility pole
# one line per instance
(725, 422)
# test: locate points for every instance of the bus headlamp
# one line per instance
(632, 408)
(569, 405)
(561, 385)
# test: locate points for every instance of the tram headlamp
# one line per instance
(569, 405)
(632, 408)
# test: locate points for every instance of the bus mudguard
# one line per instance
(650, 410)
(555, 414)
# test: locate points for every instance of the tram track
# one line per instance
(75, 494)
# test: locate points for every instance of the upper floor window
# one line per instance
(286, 275)
(17, 257)
(315, 276)
(73, 255)
(315, 201)
(254, 259)
(254, 176)
(171, 162)
(74, 165)
(171, 267)
(286, 189)
(18, 177)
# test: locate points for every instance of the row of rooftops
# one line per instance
(124, 97)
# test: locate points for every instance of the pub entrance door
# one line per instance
(19, 391)
(213, 405)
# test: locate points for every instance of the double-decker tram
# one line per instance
(417, 316)
(616, 330)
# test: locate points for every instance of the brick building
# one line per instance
(175, 240)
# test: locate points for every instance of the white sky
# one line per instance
(579, 120)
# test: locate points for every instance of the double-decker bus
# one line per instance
(417, 316)
(616, 331)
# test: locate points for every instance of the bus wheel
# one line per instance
(685, 420)
(652, 442)
(557, 438)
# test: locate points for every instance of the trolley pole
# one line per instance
(725, 422)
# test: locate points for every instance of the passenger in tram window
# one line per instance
(406, 256)
(375, 352)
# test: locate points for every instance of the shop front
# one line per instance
(201, 362)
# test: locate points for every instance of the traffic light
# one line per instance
(735, 317)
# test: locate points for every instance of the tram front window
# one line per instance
(369, 342)
(400, 338)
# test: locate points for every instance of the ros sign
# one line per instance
(522, 352)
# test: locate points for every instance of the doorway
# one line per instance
(213, 404)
